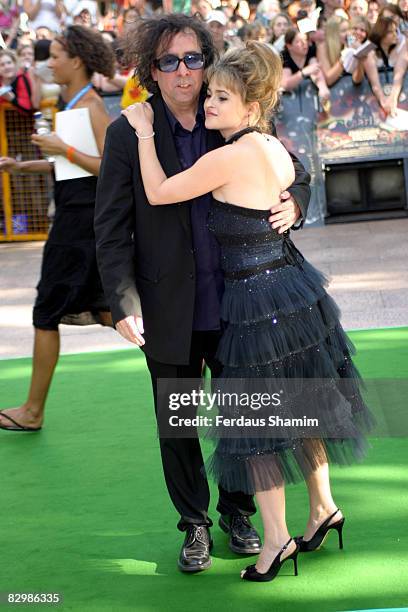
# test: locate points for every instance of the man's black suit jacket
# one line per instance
(145, 253)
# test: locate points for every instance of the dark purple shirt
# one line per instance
(209, 278)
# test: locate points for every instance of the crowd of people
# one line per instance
(321, 51)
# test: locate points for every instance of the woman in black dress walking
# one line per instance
(69, 283)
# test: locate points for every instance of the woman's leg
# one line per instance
(320, 500)
(272, 507)
(45, 357)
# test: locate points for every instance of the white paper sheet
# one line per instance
(364, 49)
(348, 60)
(399, 122)
(309, 24)
(75, 129)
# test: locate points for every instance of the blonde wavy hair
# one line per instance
(255, 73)
(333, 42)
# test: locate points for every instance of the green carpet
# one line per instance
(84, 509)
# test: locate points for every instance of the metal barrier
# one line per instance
(354, 132)
(347, 135)
(24, 198)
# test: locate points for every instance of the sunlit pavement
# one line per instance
(366, 262)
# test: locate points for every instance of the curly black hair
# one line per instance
(149, 35)
(95, 54)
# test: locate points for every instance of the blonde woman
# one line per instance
(20, 89)
(359, 31)
(329, 51)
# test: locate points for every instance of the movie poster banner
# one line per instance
(357, 127)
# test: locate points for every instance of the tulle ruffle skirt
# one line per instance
(282, 325)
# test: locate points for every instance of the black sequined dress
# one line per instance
(279, 323)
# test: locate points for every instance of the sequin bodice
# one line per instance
(248, 242)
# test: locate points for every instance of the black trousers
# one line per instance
(181, 457)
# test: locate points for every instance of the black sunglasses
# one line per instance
(170, 63)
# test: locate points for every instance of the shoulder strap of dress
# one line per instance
(246, 130)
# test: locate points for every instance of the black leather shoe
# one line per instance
(244, 538)
(195, 552)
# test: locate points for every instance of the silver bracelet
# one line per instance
(144, 137)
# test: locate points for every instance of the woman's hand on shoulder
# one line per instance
(140, 117)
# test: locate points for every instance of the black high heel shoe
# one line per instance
(320, 535)
(251, 573)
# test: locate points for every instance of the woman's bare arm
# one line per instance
(291, 80)
(53, 145)
(31, 8)
(118, 80)
(35, 88)
(210, 172)
(35, 166)
(100, 121)
(371, 71)
(358, 73)
(399, 73)
(331, 73)
(12, 33)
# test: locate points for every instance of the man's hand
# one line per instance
(285, 214)
(131, 328)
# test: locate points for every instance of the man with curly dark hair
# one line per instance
(164, 261)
